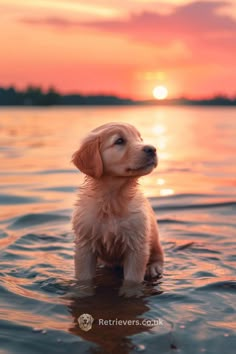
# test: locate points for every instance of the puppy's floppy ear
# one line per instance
(88, 158)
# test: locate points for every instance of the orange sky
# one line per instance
(120, 47)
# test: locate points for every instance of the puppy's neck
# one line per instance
(112, 194)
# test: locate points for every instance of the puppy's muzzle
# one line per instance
(150, 155)
(150, 150)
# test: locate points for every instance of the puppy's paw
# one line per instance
(131, 289)
(154, 269)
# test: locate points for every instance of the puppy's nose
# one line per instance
(150, 150)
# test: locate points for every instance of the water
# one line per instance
(194, 196)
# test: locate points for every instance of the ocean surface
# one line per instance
(193, 192)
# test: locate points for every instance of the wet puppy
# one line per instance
(112, 220)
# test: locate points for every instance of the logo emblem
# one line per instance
(85, 321)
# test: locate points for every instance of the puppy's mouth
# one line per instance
(146, 166)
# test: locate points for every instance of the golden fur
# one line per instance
(113, 221)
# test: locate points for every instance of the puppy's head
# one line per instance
(115, 149)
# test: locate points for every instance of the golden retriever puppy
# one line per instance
(113, 221)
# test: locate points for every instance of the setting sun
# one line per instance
(160, 92)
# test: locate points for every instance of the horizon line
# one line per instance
(51, 88)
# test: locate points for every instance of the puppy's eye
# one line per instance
(120, 141)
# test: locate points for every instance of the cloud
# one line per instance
(199, 19)
(57, 22)
(198, 27)
(196, 17)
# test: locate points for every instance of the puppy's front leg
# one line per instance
(85, 268)
(156, 259)
(85, 263)
(134, 270)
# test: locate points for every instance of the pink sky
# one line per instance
(121, 47)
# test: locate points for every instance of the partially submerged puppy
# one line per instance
(113, 221)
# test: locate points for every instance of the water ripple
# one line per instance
(29, 220)
(6, 199)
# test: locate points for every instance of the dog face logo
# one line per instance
(85, 321)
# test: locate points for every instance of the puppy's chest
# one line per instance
(115, 228)
(112, 232)
(113, 236)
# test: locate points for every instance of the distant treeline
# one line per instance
(35, 96)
